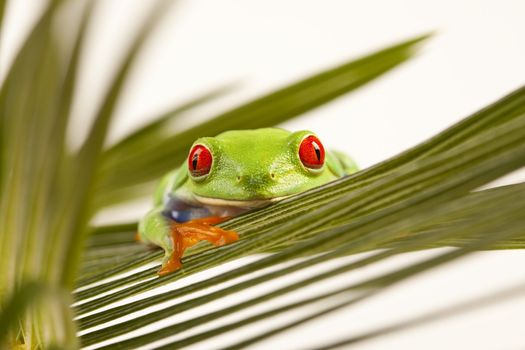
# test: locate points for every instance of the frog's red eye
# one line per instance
(311, 152)
(199, 161)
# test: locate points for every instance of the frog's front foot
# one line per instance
(185, 235)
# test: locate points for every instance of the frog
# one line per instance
(227, 175)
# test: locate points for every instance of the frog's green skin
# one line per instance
(250, 169)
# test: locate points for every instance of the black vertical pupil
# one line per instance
(195, 160)
(317, 150)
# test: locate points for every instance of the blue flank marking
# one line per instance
(180, 211)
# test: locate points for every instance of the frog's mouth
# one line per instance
(254, 203)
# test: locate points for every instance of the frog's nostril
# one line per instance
(238, 177)
(272, 175)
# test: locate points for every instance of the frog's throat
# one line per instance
(256, 203)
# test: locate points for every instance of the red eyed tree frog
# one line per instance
(229, 174)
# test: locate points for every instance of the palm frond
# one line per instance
(88, 156)
(41, 178)
(15, 307)
(495, 213)
(3, 5)
(410, 202)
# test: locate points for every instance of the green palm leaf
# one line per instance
(358, 218)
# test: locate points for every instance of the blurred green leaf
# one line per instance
(129, 166)
(157, 128)
(88, 156)
(44, 203)
(3, 4)
(61, 180)
(15, 307)
(33, 118)
(19, 128)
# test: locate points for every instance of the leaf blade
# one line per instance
(149, 163)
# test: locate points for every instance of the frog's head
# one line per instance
(254, 167)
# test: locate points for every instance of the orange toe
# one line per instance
(172, 265)
(185, 235)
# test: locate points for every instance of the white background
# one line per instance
(477, 56)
